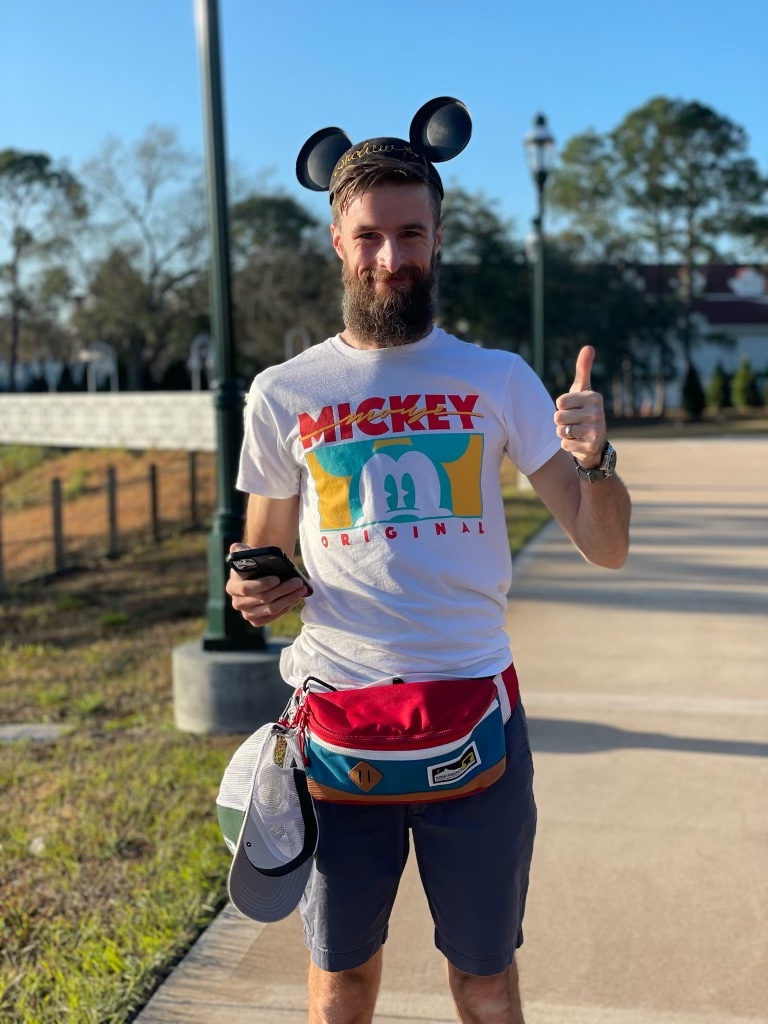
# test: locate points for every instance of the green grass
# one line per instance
(17, 459)
(111, 859)
(118, 864)
(77, 483)
(525, 516)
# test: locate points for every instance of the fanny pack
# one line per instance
(403, 742)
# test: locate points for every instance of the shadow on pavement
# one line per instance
(560, 736)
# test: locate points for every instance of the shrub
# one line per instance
(719, 390)
(693, 399)
(745, 391)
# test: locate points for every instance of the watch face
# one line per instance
(609, 462)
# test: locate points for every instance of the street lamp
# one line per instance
(231, 682)
(227, 630)
(540, 153)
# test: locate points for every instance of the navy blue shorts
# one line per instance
(473, 854)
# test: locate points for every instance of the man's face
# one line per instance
(388, 241)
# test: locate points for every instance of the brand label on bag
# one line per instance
(451, 771)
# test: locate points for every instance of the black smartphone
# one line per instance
(253, 563)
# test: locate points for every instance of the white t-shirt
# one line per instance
(396, 454)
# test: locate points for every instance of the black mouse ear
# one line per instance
(441, 129)
(319, 155)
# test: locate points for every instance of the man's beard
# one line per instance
(397, 316)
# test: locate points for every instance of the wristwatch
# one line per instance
(606, 468)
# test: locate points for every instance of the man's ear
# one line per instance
(438, 238)
(336, 239)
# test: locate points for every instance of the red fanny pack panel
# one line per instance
(410, 715)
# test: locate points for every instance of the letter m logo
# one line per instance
(310, 429)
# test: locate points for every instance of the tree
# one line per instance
(596, 304)
(150, 227)
(746, 394)
(687, 182)
(672, 183)
(37, 198)
(674, 175)
(752, 230)
(286, 277)
(719, 390)
(265, 222)
(122, 310)
(693, 398)
(586, 188)
(484, 288)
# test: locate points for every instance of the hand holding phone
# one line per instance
(254, 563)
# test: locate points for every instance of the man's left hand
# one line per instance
(580, 417)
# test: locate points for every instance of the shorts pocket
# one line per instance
(519, 749)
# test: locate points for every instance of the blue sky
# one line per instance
(73, 73)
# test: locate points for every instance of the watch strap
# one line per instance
(605, 469)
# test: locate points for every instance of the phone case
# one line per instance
(254, 563)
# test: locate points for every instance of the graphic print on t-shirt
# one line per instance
(397, 480)
(420, 458)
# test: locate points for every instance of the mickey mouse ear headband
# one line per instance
(439, 131)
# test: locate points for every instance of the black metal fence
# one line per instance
(61, 524)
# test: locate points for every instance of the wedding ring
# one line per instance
(568, 432)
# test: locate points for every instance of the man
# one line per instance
(383, 445)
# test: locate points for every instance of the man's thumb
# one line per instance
(582, 377)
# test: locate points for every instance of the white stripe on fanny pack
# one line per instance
(404, 755)
(501, 689)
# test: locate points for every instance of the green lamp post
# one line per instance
(226, 629)
(540, 152)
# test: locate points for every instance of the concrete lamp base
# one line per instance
(227, 692)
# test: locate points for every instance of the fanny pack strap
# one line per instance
(508, 690)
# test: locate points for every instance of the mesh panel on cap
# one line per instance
(236, 785)
(276, 799)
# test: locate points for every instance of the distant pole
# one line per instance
(540, 150)
(226, 629)
(538, 289)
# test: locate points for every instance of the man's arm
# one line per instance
(269, 521)
(594, 515)
(272, 521)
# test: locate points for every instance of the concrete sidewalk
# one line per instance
(647, 696)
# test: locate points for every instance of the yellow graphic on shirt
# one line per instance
(397, 480)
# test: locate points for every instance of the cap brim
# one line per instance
(263, 897)
(262, 887)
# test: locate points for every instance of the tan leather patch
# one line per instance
(365, 776)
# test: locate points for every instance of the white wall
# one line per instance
(141, 420)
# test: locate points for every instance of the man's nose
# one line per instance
(389, 256)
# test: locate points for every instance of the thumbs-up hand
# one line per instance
(580, 417)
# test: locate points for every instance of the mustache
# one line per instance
(403, 274)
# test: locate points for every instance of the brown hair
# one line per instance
(360, 176)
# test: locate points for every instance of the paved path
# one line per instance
(647, 694)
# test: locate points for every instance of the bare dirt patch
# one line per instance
(28, 535)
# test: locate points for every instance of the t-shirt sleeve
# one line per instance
(529, 412)
(267, 466)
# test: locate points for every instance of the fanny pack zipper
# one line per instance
(395, 755)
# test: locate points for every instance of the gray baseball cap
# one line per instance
(268, 821)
